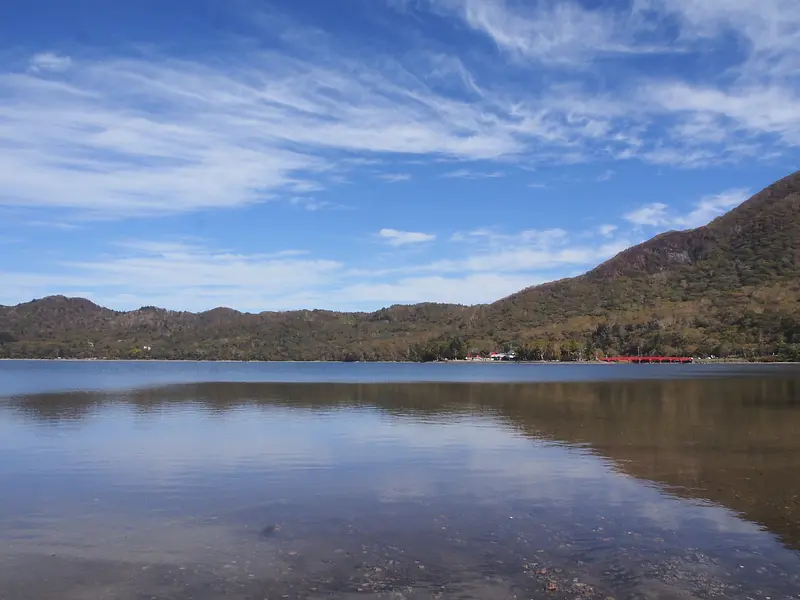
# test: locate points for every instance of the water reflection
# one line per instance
(482, 490)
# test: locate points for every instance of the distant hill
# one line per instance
(729, 288)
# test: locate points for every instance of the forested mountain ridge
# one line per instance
(729, 288)
(742, 269)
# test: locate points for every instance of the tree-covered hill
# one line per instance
(729, 288)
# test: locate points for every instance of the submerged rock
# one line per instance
(270, 530)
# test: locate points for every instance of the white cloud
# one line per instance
(529, 237)
(710, 207)
(658, 214)
(526, 259)
(402, 238)
(470, 174)
(452, 72)
(47, 61)
(490, 265)
(305, 187)
(607, 230)
(312, 204)
(394, 177)
(64, 226)
(533, 259)
(537, 252)
(653, 214)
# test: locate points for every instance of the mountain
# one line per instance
(739, 272)
(731, 287)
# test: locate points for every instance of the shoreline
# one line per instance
(395, 362)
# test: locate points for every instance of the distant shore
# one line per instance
(697, 361)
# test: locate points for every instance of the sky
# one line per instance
(354, 154)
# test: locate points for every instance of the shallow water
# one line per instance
(186, 480)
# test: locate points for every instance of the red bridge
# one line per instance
(647, 359)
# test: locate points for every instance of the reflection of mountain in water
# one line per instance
(733, 442)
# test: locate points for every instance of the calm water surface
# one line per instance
(253, 481)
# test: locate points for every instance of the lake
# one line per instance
(139, 480)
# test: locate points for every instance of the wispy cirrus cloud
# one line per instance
(607, 230)
(530, 237)
(135, 136)
(570, 33)
(144, 136)
(47, 61)
(472, 174)
(768, 31)
(709, 114)
(556, 33)
(150, 134)
(314, 204)
(395, 177)
(63, 226)
(758, 91)
(749, 93)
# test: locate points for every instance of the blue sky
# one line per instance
(352, 154)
